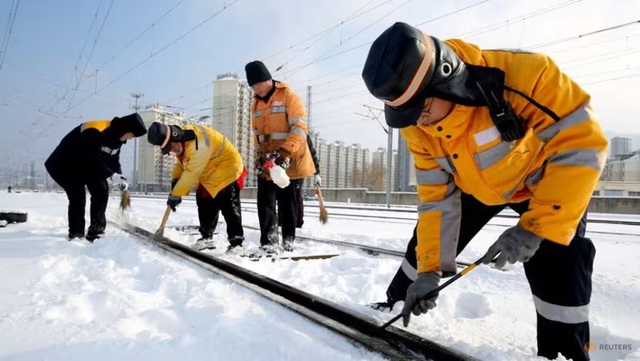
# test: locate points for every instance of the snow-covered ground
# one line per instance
(120, 299)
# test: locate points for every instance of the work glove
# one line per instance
(268, 164)
(120, 181)
(173, 201)
(317, 180)
(414, 302)
(514, 245)
(270, 161)
(283, 162)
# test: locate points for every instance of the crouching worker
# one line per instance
(490, 129)
(207, 159)
(89, 156)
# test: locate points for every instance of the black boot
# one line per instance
(94, 233)
(75, 235)
(287, 243)
(382, 306)
(235, 244)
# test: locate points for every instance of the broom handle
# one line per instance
(437, 290)
(165, 217)
(320, 197)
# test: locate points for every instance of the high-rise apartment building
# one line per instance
(379, 161)
(232, 117)
(406, 172)
(620, 146)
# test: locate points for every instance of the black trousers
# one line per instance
(74, 187)
(287, 199)
(559, 277)
(226, 201)
(299, 205)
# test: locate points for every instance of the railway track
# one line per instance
(374, 251)
(412, 210)
(401, 220)
(391, 342)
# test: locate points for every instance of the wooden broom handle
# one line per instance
(165, 217)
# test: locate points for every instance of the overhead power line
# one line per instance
(225, 7)
(114, 56)
(582, 36)
(7, 35)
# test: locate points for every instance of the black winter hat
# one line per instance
(256, 72)
(163, 134)
(406, 66)
(160, 135)
(129, 123)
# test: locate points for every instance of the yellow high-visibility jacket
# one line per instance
(280, 124)
(556, 165)
(209, 160)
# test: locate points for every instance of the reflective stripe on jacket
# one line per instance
(556, 165)
(210, 161)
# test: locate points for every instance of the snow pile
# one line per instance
(121, 299)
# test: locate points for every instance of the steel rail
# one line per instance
(392, 342)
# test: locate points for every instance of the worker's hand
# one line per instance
(317, 180)
(514, 245)
(120, 181)
(173, 201)
(414, 301)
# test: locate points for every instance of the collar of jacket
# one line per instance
(453, 125)
(270, 93)
(180, 156)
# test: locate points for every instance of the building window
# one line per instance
(613, 193)
(634, 194)
(596, 193)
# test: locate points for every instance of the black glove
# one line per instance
(173, 201)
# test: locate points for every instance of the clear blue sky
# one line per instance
(62, 52)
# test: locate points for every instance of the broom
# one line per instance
(125, 201)
(324, 215)
(159, 235)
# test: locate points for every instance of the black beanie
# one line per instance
(158, 135)
(256, 72)
(129, 123)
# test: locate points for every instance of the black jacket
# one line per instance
(92, 149)
(314, 155)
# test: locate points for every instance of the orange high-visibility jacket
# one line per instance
(280, 124)
(209, 160)
(556, 165)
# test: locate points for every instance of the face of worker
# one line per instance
(126, 136)
(434, 110)
(176, 148)
(262, 88)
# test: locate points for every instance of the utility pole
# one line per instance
(375, 113)
(135, 107)
(309, 107)
(307, 181)
(32, 176)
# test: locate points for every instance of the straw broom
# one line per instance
(324, 215)
(125, 201)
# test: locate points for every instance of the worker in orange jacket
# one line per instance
(280, 137)
(491, 129)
